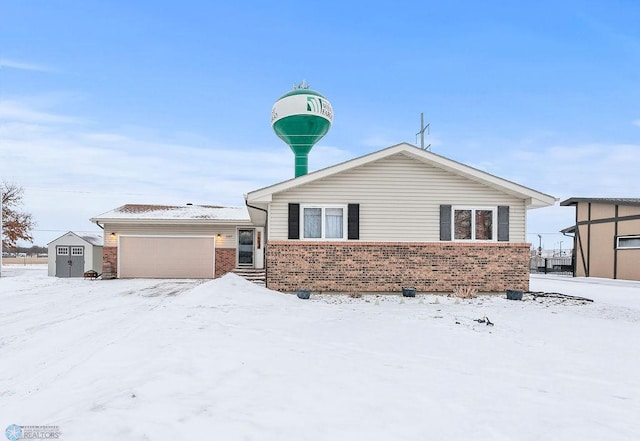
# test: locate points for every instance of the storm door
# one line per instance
(245, 247)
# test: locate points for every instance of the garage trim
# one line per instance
(167, 236)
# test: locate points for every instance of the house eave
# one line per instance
(172, 221)
(535, 199)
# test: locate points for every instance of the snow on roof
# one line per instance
(93, 239)
(173, 212)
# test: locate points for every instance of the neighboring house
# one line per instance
(191, 241)
(606, 237)
(71, 254)
(398, 217)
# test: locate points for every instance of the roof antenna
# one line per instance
(421, 133)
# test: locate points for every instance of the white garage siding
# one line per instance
(180, 257)
(228, 233)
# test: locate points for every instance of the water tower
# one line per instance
(301, 118)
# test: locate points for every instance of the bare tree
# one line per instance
(16, 224)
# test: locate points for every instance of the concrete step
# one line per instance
(257, 276)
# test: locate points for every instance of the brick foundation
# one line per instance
(225, 261)
(387, 267)
(109, 262)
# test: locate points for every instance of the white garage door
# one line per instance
(166, 257)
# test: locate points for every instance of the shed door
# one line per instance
(69, 261)
(186, 257)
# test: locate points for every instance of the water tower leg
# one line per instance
(302, 165)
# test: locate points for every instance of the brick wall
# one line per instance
(109, 262)
(225, 261)
(387, 267)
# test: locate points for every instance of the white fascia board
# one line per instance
(258, 200)
(533, 203)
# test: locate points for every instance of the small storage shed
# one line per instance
(71, 254)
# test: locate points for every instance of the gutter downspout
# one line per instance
(573, 252)
(266, 239)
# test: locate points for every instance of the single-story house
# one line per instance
(401, 216)
(190, 241)
(397, 217)
(71, 254)
(606, 237)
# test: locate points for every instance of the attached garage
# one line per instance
(177, 241)
(179, 257)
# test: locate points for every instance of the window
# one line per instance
(474, 223)
(325, 222)
(629, 242)
(63, 251)
(77, 251)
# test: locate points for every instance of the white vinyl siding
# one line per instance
(227, 239)
(399, 200)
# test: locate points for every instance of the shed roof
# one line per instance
(91, 238)
(142, 212)
(611, 201)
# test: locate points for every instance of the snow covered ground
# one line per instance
(227, 360)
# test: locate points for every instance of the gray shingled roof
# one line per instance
(612, 201)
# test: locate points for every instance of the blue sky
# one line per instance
(106, 103)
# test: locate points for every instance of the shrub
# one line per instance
(465, 292)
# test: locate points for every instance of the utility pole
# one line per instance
(1, 232)
(540, 245)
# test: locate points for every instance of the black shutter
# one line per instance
(503, 223)
(445, 222)
(353, 222)
(294, 221)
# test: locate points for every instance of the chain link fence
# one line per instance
(551, 265)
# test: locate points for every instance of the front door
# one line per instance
(69, 261)
(245, 247)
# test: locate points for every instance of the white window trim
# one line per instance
(59, 249)
(323, 229)
(626, 237)
(77, 251)
(473, 208)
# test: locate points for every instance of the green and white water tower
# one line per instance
(301, 118)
